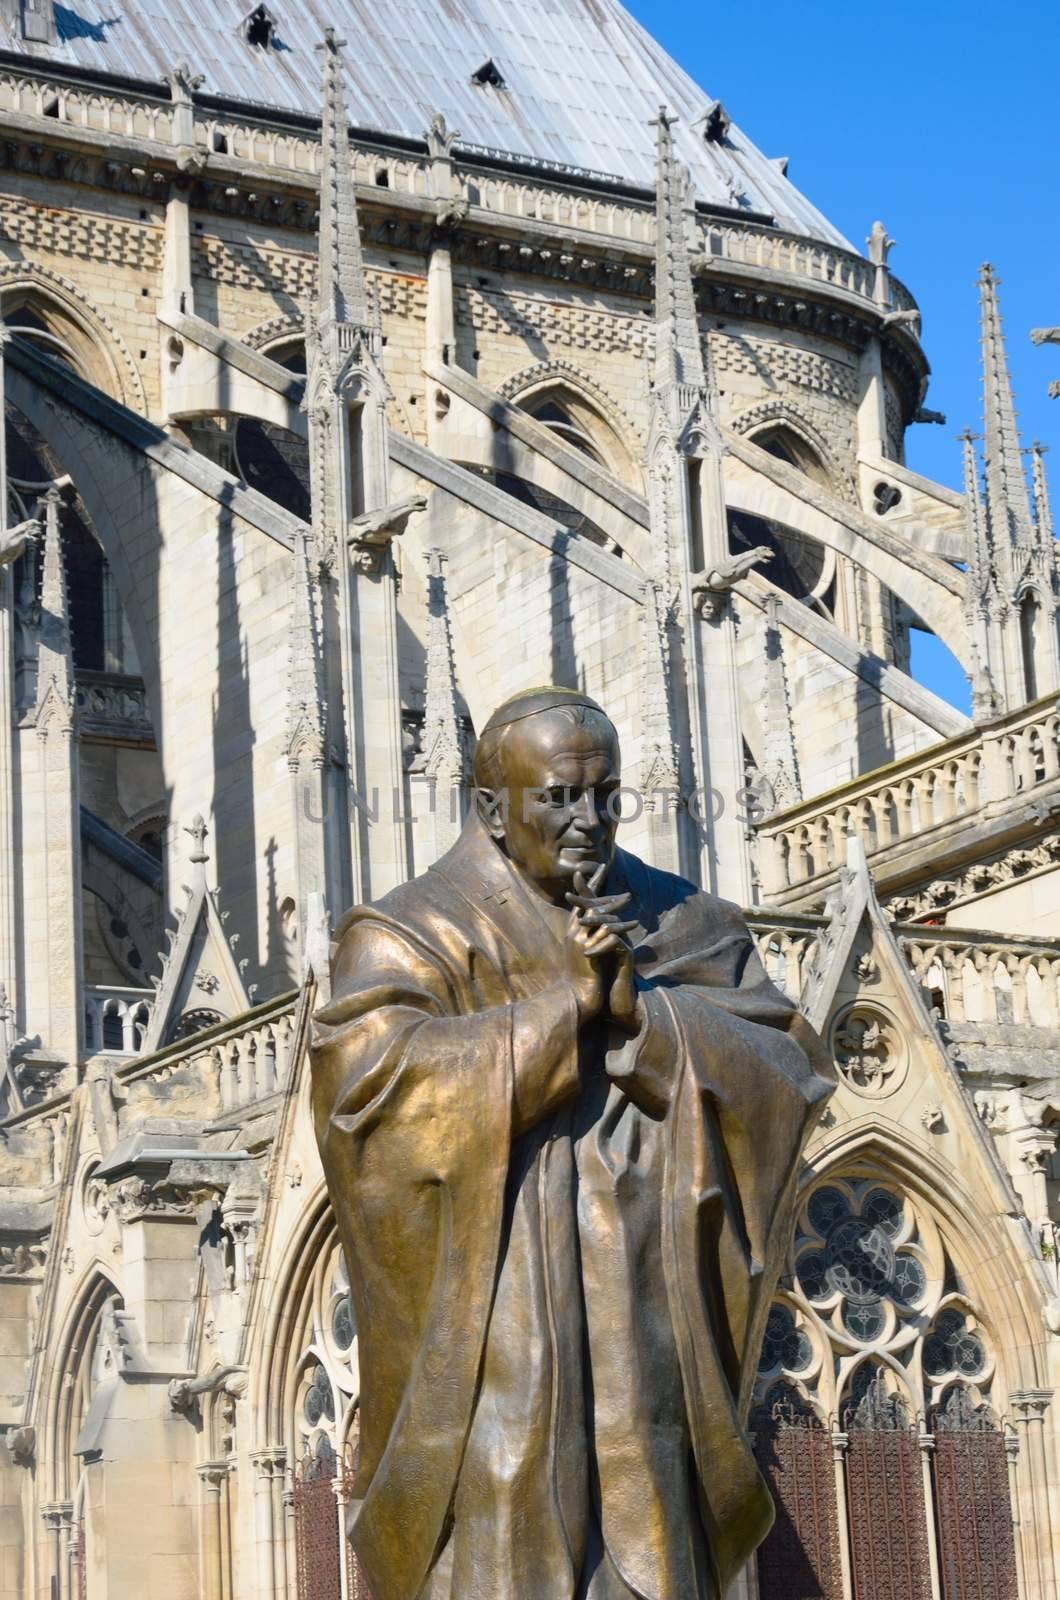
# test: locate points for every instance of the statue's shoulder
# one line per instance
(427, 909)
(664, 892)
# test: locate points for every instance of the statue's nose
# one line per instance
(584, 813)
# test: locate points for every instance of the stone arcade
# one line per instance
(321, 441)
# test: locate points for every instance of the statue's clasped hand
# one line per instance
(599, 957)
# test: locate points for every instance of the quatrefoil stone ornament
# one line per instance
(869, 1051)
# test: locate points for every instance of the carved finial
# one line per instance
(440, 139)
(880, 244)
(182, 81)
(197, 832)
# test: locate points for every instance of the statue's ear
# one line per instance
(493, 809)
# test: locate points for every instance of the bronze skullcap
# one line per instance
(529, 702)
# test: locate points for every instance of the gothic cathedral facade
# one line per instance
(351, 386)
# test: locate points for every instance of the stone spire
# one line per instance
(982, 580)
(442, 753)
(689, 526)
(50, 842)
(55, 659)
(341, 292)
(1007, 505)
(1043, 516)
(345, 400)
(780, 766)
(659, 767)
(680, 378)
(983, 604)
(306, 709)
(438, 775)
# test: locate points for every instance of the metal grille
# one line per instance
(977, 1551)
(320, 1538)
(800, 1557)
(317, 1539)
(885, 1496)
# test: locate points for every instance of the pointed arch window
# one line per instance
(875, 1354)
(321, 1412)
(571, 415)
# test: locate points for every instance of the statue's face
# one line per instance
(560, 776)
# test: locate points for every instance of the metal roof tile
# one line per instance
(584, 79)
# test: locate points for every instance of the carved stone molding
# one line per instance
(135, 1199)
(94, 324)
(972, 882)
(23, 1259)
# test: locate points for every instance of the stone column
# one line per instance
(9, 975)
(211, 1475)
(58, 1518)
(338, 1483)
(270, 1532)
(927, 1446)
(1036, 1509)
(1012, 1451)
(840, 1445)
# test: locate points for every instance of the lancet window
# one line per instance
(877, 1416)
(323, 1438)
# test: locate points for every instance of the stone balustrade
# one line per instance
(36, 93)
(980, 977)
(539, 191)
(116, 1019)
(919, 799)
(242, 1061)
(787, 947)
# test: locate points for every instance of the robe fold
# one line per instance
(562, 1242)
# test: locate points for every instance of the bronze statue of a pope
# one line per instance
(561, 1111)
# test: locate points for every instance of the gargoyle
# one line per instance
(22, 1444)
(710, 588)
(450, 212)
(14, 540)
(910, 317)
(184, 1392)
(370, 534)
(1045, 336)
(922, 414)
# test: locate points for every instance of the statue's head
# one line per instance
(548, 771)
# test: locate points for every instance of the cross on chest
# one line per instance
(489, 892)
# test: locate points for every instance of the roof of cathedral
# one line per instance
(580, 79)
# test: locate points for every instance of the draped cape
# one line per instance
(449, 1036)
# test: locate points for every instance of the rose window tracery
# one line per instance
(859, 1258)
(870, 1275)
(785, 1347)
(953, 1348)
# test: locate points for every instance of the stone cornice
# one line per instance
(747, 268)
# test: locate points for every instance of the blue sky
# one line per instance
(941, 120)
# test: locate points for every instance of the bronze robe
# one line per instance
(561, 1252)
